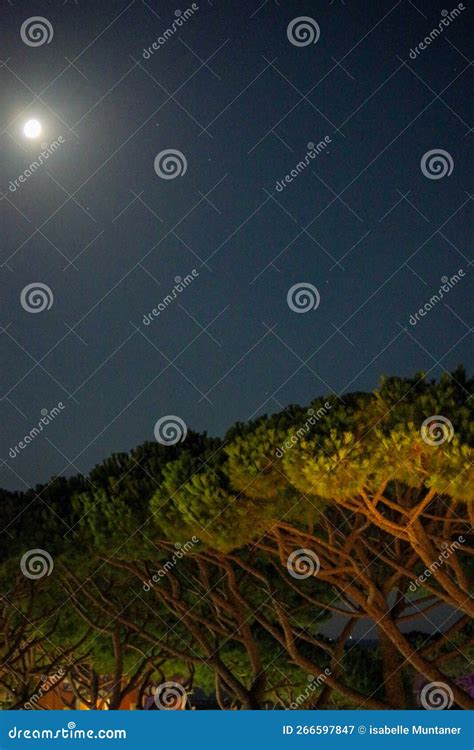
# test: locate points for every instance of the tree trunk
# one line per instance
(461, 697)
(392, 662)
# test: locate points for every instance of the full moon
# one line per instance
(32, 129)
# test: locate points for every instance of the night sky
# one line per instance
(108, 236)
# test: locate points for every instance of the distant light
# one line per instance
(32, 129)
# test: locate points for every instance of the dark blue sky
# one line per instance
(97, 225)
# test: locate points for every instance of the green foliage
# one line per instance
(292, 467)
